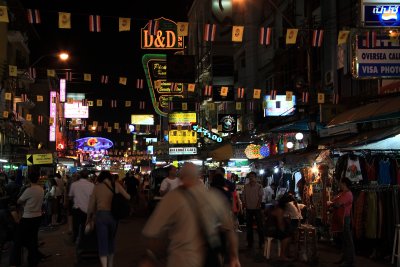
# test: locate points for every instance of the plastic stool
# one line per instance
(396, 244)
(267, 247)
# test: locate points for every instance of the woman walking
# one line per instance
(100, 208)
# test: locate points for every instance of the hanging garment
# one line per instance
(371, 215)
(358, 215)
(353, 170)
(384, 172)
(371, 170)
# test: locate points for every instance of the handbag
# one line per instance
(215, 245)
(120, 207)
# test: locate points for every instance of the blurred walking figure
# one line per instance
(192, 218)
(100, 207)
(253, 195)
(170, 182)
(79, 194)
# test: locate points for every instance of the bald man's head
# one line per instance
(188, 173)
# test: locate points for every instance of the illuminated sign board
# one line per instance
(63, 89)
(76, 110)
(142, 119)
(380, 61)
(182, 137)
(228, 122)
(93, 143)
(279, 106)
(165, 38)
(181, 118)
(161, 91)
(210, 135)
(53, 116)
(381, 15)
(182, 151)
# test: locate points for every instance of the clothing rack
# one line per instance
(375, 188)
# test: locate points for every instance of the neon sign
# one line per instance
(166, 36)
(53, 115)
(93, 144)
(381, 15)
(63, 87)
(210, 135)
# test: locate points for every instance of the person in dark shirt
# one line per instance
(12, 190)
(131, 185)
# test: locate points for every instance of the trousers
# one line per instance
(78, 222)
(348, 245)
(250, 216)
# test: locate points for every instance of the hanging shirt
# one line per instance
(353, 170)
(384, 172)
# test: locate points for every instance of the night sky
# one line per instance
(108, 52)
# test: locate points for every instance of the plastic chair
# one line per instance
(267, 247)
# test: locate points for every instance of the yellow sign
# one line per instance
(182, 137)
(37, 159)
(182, 118)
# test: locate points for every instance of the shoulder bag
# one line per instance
(120, 207)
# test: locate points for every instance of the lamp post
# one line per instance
(62, 56)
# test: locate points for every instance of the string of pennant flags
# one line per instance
(209, 31)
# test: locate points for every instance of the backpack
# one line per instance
(120, 207)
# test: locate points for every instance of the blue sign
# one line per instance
(381, 15)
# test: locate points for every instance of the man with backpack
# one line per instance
(195, 220)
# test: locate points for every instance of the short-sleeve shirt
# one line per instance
(253, 195)
(345, 199)
(81, 191)
(32, 198)
(168, 185)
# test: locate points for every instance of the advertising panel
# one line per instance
(279, 106)
(161, 91)
(381, 60)
(182, 137)
(142, 119)
(380, 14)
(165, 38)
(228, 122)
(182, 118)
(182, 150)
(53, 116)
(76, 110)
(63, 89)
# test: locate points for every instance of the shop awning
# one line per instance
(369, 140)
(381, 110)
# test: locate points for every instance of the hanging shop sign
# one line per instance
(228, 122)
(182, 137)
(165, 37)
(161, 91)
(182, 118)
(182, 151)
(380, 14)
(93, 144)
(208, 134)
(381, 60)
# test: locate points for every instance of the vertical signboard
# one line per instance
(63, 88)
(53, 116)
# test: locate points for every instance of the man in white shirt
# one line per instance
(80, 193)
(170, 182)
(269, 193)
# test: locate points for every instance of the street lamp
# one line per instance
(62, 56)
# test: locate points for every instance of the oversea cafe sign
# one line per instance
(165, 38)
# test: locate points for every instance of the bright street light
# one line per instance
(63, 56)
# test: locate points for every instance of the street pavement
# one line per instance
(130, 247)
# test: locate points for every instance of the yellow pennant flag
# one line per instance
(128, 103)
(184, 106)
(122, 80)
(109, 129)
(7, 96)
(29, 117)
(321, 98)
(191, 87)
(12, 71)
(158, 127)
(183, 28)
(3, 14)
(116, 125)
(124, 24)
(51, 121)
(87, 77)
(39, 98)
(90, 103)
(289, 95)
(99, 102)
(70, 100)
(291, 36)
(5, 114)
(51, 73)
(238, 105)
(257, 94)
(224, 91)
(237, 33)
(342, 37)
(64, 20)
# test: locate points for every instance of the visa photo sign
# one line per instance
(378, 57)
